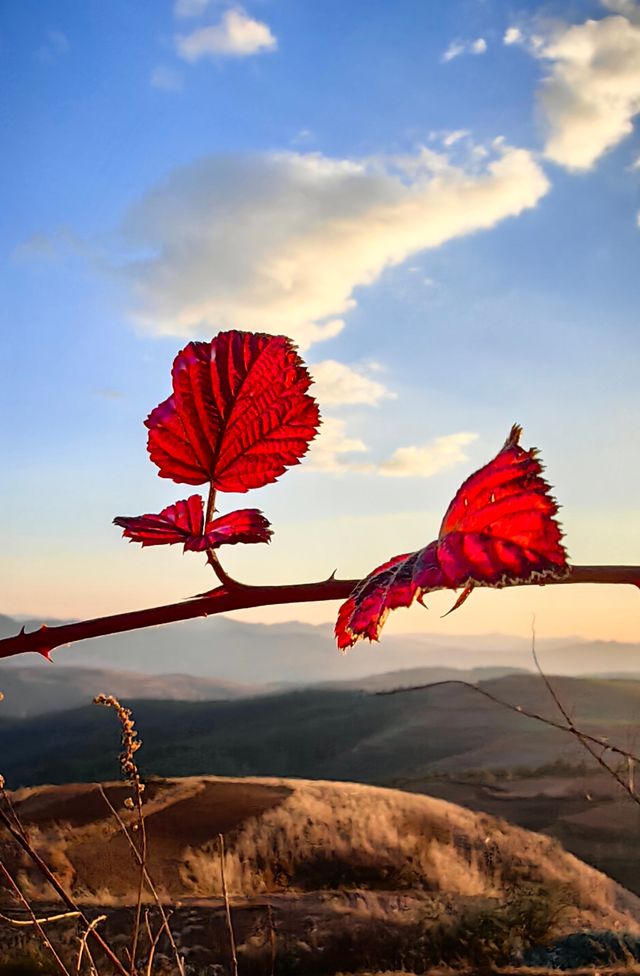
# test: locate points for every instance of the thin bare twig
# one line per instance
(604, 744)
(272, 937)
(84, 948)
(153, 943)
(589, 742)
(227, 906)
(21, 922)
(236, 596)
(584, 740)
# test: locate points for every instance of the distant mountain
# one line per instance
(231, 650)
(410, 677)
(30, 691)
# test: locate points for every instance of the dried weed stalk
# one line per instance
(130, 772)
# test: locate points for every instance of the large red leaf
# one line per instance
(184, 522)
(239, 415)
(500, 529)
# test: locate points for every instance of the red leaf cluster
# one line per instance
(500, 529)
(184, 522)
(239, 414)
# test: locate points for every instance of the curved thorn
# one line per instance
(463, 596)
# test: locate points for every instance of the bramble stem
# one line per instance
(241, 597)
(212, 555)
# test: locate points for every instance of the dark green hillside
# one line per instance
(344, 735)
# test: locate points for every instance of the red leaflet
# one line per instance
(184, 522)
(239, 415)
(498, 530)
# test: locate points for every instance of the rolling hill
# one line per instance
(326, 733)
(30, 691)
(294, 837)
(447, 741)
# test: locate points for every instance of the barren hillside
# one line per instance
(286, 836)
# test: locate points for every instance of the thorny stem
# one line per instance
(235, 596)
(212, 555)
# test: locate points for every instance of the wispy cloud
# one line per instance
(235, 35)
(333, 449)
(282, 240)
(56, 45)
(190, 8)
(458, 48)
(166, 79)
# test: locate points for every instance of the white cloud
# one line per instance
(513, 35)
(457, 48)
(592, 91)
(236, 35)
(336, 383)
(331, 450)
(166, 79)
(280, 241)
(638, 219)
(190, 8)
(429, 459)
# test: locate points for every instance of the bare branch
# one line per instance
(519, 710)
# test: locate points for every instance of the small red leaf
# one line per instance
(239, 415)
(244, 525)
(500, 529)
(184, 522)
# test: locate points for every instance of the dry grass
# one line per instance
(296, 836)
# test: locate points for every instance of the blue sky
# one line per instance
(438, 201)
